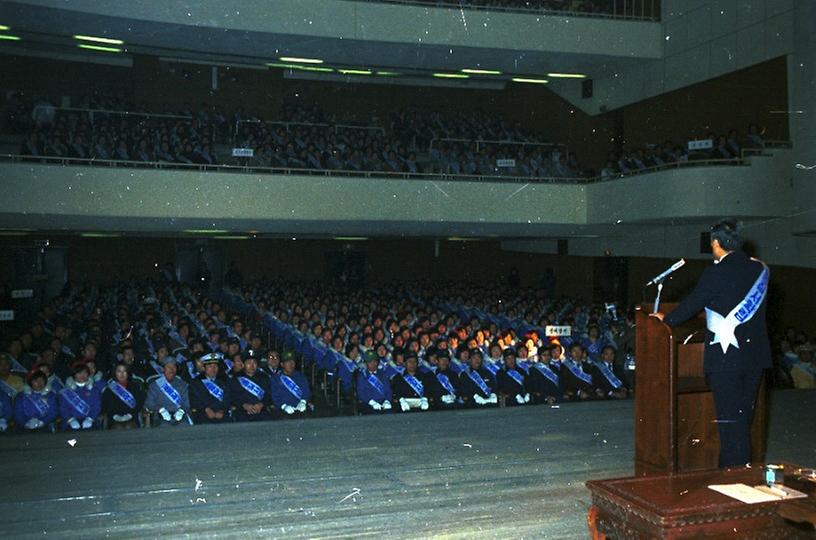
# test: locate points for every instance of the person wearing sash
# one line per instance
(543, 378)
(442, 383)
(272, 368)
(209, 393)
(373, 386)
(36, 407)
(606, 377)
(475, 383)
(6, 411)
(408, 388)
(290, 390)
(191, 368)
(593, 343)
(168, 398)
(346, 368)
(122, 399)
(250, 392)
(80, 402)
(576, 379)
(512, 380)
(9, 381)
(733, 292)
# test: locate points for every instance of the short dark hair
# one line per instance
(728, 232)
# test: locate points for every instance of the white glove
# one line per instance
(124, 418)
(404, 405)
(165, 415)
(449, 398)
(87, 423)
(179, 415)
(34, 423)
(479, 399)
(374, 405)
(492, 399)
(3, 424)
(73, 423)
(301, 406)
(423, 404)
(527, 398)
(519, 399)
(288, 409)
(386, 405)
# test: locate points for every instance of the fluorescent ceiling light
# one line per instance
(566, 75)
(481, 71)
(302, 68)
(95, 39)
(387, 73)
(8, 37)
(99, 48)
(533, 81)
(3, 27)
(99, 235)
(451, 76)
(205, 231)
(355, 71)
(13, 233)
(300, 60)
(350, 238)
(233, 237)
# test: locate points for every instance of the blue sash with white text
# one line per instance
(446, 384)
(215, 391)
(168, 390)
(575, 370)
(548, 373)
(723, 328)
(76, 401)
(291, 386)
(376, 383)
(39, 403)
(251, 387)
(516, 376)
(415, 385)
(123, 394)
(608, 375)
(480, 382)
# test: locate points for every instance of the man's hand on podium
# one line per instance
(658, 315)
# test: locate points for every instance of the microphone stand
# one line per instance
(657, 298)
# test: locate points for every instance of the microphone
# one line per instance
(664, 275)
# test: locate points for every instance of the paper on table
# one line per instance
(744, 493)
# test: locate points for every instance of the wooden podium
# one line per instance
(675, 428)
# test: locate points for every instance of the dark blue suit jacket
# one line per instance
(721, 287)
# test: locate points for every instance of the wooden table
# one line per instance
(682, 506)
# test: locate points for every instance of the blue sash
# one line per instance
(609, 375)
(376, 383)
(39, 403)
(723, 328)
(415, 385)
(76, 401)
(251, 387)
(156, 367)
(168, 390)
(491, 367)
(215, 391)
(7, 389)
(586, 377)
(228, 363)
(594, 349)
(292, 386)
(516, 376)
(123, 394)
(191, 369)
(446, 384)
(548, 373)
(480, 382)
(17, 366)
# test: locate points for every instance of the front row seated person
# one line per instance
(209, 393)
(511, 380)
(6, 411)
(122, 399)
(373, 387)
(605, 377)
(250, 391)
(36, 407)
(544, 379)
(408, 389)
(576, 379)
(80, 402)
(475, 382)
(290, 389)
(168, 397)
(441, 384)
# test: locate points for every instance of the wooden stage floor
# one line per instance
(502, 473)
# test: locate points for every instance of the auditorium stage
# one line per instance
(502, 473)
